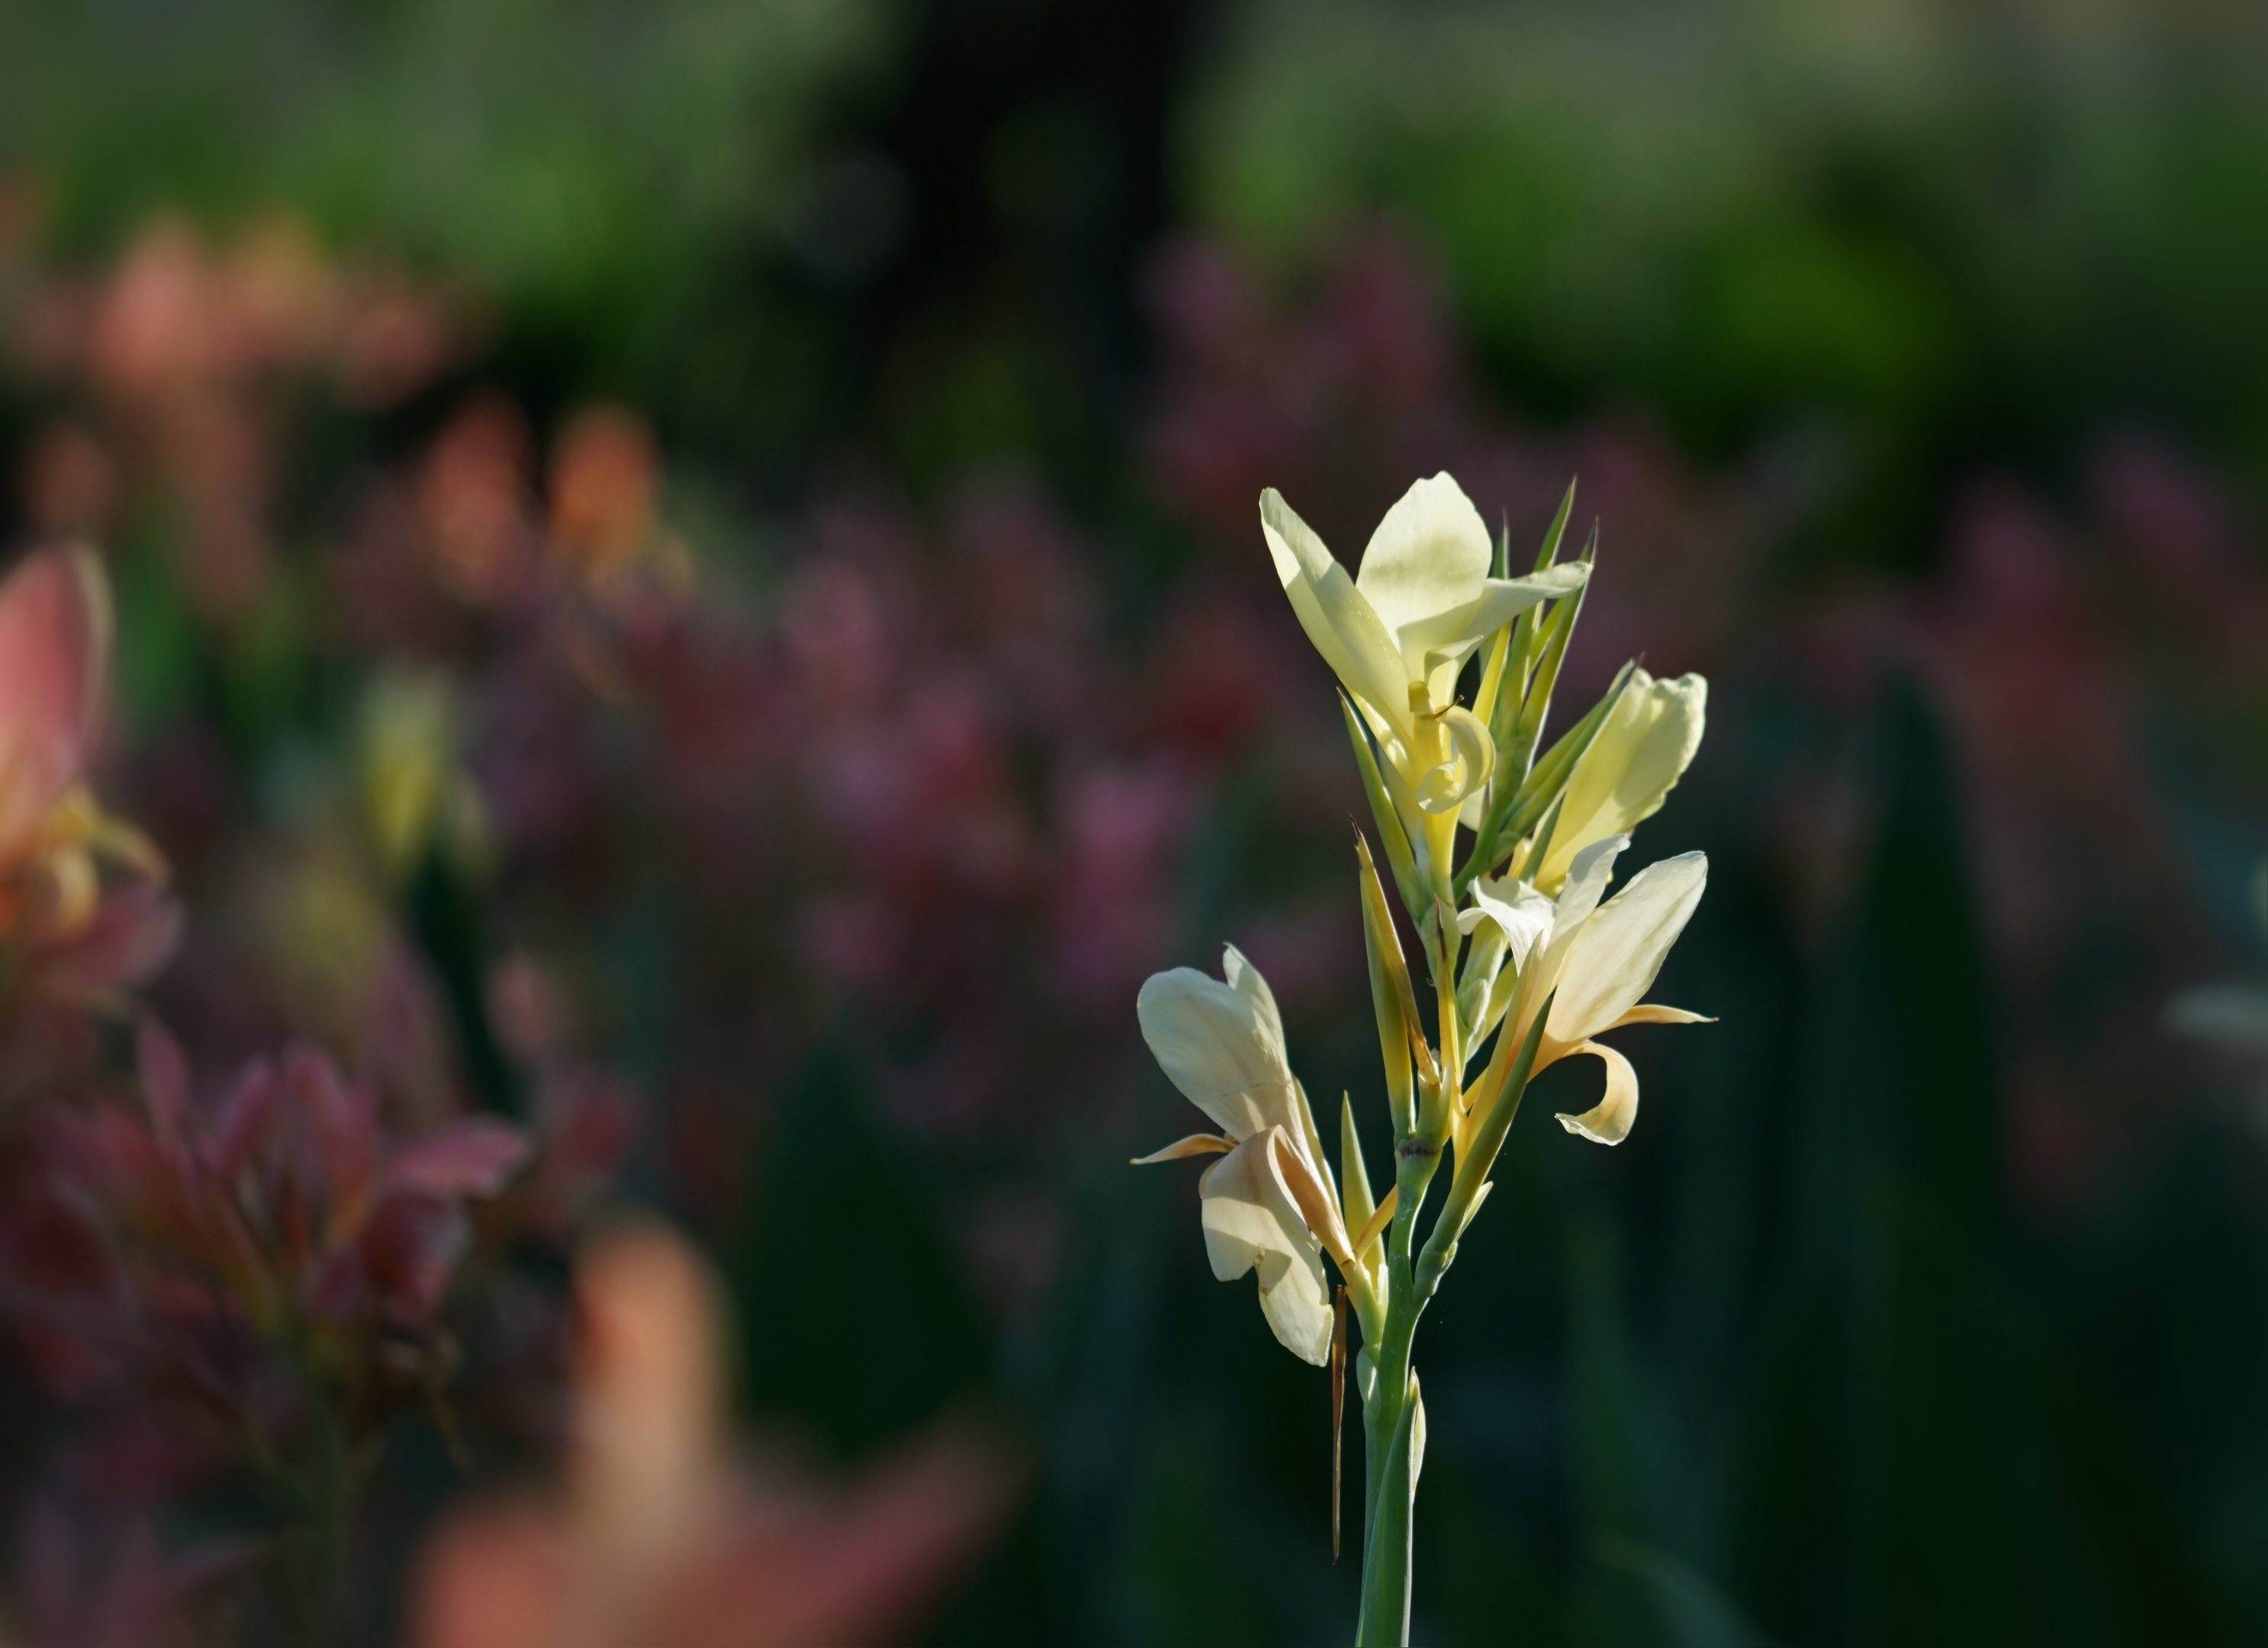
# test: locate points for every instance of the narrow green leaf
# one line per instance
(1401, 1034)
(1502, 1105)
(1356, 1204)
(1544, 834)
(1549, 554)
(1409, 877)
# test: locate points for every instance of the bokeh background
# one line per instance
(687, 579)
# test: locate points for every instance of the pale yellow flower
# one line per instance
(1266, 1205)
(1396, 633)
(1594, 963)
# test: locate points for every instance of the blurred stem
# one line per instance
(316, 1502)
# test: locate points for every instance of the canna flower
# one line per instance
(1594, 962)
(1265, 1204)
(1397, 633)
(1643, 748)
(54, 670)
(63, 939)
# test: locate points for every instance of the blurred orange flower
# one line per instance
(659, 1541)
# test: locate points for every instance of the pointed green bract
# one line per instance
(1355, 1200)
(1399, 1036)
(1409, 875)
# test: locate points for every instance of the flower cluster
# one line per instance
(1530, 961)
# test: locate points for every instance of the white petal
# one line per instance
(1646, 744)
(1608, 1121)
(1428, 558)
(1524, 914)
(1250, 1223)
(1221, 1045)
(1338, 620)
(1617, 952)
(1448, 636)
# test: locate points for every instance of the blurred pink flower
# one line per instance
(72, 940)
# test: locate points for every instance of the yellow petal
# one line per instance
(1653, 1013)
(77, 889)
(1317, 1208)
(1641, 752)
(1608, 1121)
(1428, 560)
(1380, 1216)
(1195, 1144)
(1471, 758)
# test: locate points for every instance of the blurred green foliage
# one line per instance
(1895, 240)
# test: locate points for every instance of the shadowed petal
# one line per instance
(1221, 1044)
(1251, 1224)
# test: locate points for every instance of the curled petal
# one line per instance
(1251, 1224)
(1318, 1209)
(1195, 1144)
(1524, 914)
(1608, 1121)
(1472, 758)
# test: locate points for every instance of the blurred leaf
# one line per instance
(857, 1316)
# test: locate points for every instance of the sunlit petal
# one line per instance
(1618, 951)
(1641, 751)
(1334, 613)
(1195, 1144)
(1428, 559)
(1608, 1121)
(1472, 757)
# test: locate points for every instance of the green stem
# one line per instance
(1388, 1480)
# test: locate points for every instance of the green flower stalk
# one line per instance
(1502, 858)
